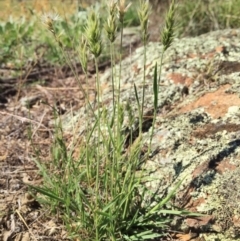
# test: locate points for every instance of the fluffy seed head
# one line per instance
(122, 9)
(167, 35)
(111, 25)
(93, 34)
(143, 14)
(48, 19)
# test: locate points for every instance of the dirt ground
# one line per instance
(26, 109)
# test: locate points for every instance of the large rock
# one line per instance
(197, 132)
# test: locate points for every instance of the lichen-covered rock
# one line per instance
(197, 132)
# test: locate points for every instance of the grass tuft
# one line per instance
(100, 194)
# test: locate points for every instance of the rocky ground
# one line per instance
(197, 136)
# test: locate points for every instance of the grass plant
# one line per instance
(198, 17)
(166, 37)
(100, 194)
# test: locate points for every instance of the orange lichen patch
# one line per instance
(193, 204)
(136, 69)
(215, 103)
(202, 56)
(209, 55)
(186, 236)
(191, 141)
(192, 56)
(178, 78)
(200, 169)
(221, 49)
(225, 165)
(188, 82)
(236, 221)
(199, 221)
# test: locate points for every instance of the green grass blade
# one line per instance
(167, 198)
(155, 87)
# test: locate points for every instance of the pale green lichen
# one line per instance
(223, 203)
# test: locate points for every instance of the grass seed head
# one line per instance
(111, 25)
(112, 6)
(167, 35)
(93, 34)
(143, 14)
(122, 9)
(49, 19)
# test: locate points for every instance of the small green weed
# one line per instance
(12, 34)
